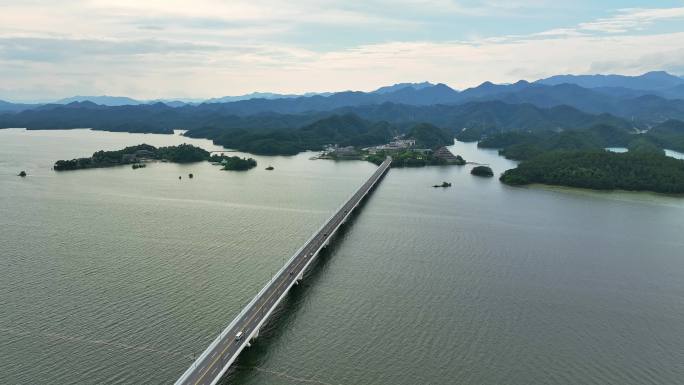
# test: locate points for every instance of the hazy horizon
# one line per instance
(307, 93)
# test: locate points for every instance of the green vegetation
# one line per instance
(668, 135)
(526, 145)
(577, 158)
(235, 163)
(341, 130)
(133, 155)
(344, 130)
(482, 171)
(429, 136)
(644, 145)
(407, 158)
(471, 134)
(602, 170)
(184, 153)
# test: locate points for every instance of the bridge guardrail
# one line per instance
(254, 300)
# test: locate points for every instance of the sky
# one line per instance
(150, 49)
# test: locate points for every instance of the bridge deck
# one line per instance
(217, 358)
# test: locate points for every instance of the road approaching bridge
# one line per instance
(217, 358)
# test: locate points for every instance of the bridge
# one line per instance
(222, 352)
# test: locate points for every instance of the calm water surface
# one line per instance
(116, 276)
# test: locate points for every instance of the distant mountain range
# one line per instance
(102, 100)
(557, 103)
(650, 81)
(629, 103)
(115, 101)
(591, 93)
(261, 95)
(399, 86)
(7, 107)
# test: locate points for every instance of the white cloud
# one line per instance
(633, 19)
(155, 48)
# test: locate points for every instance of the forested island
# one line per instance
(602, 170)
(234, 163)
(412, 158)
(136, 155)
(483, 171)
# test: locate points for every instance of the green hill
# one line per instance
(603, 170)
(430, 136)
(669, 135)
(344, 130)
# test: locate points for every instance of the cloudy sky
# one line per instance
(207, 48)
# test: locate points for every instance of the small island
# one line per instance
(444, 184)
(22, 174)
(482, 171)
(136, 156)
(270, 168)
(234, 163)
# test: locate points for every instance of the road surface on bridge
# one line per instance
(217, 358)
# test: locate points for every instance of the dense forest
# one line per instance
(637, 170)
(412, 159)
(669, 134)
(184, 153)
(430, 136)
(234, 163)
(470, 121)
(344, 130)
(526, 145)
(483, 171)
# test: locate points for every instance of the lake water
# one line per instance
(670, 153)
(121, 276)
